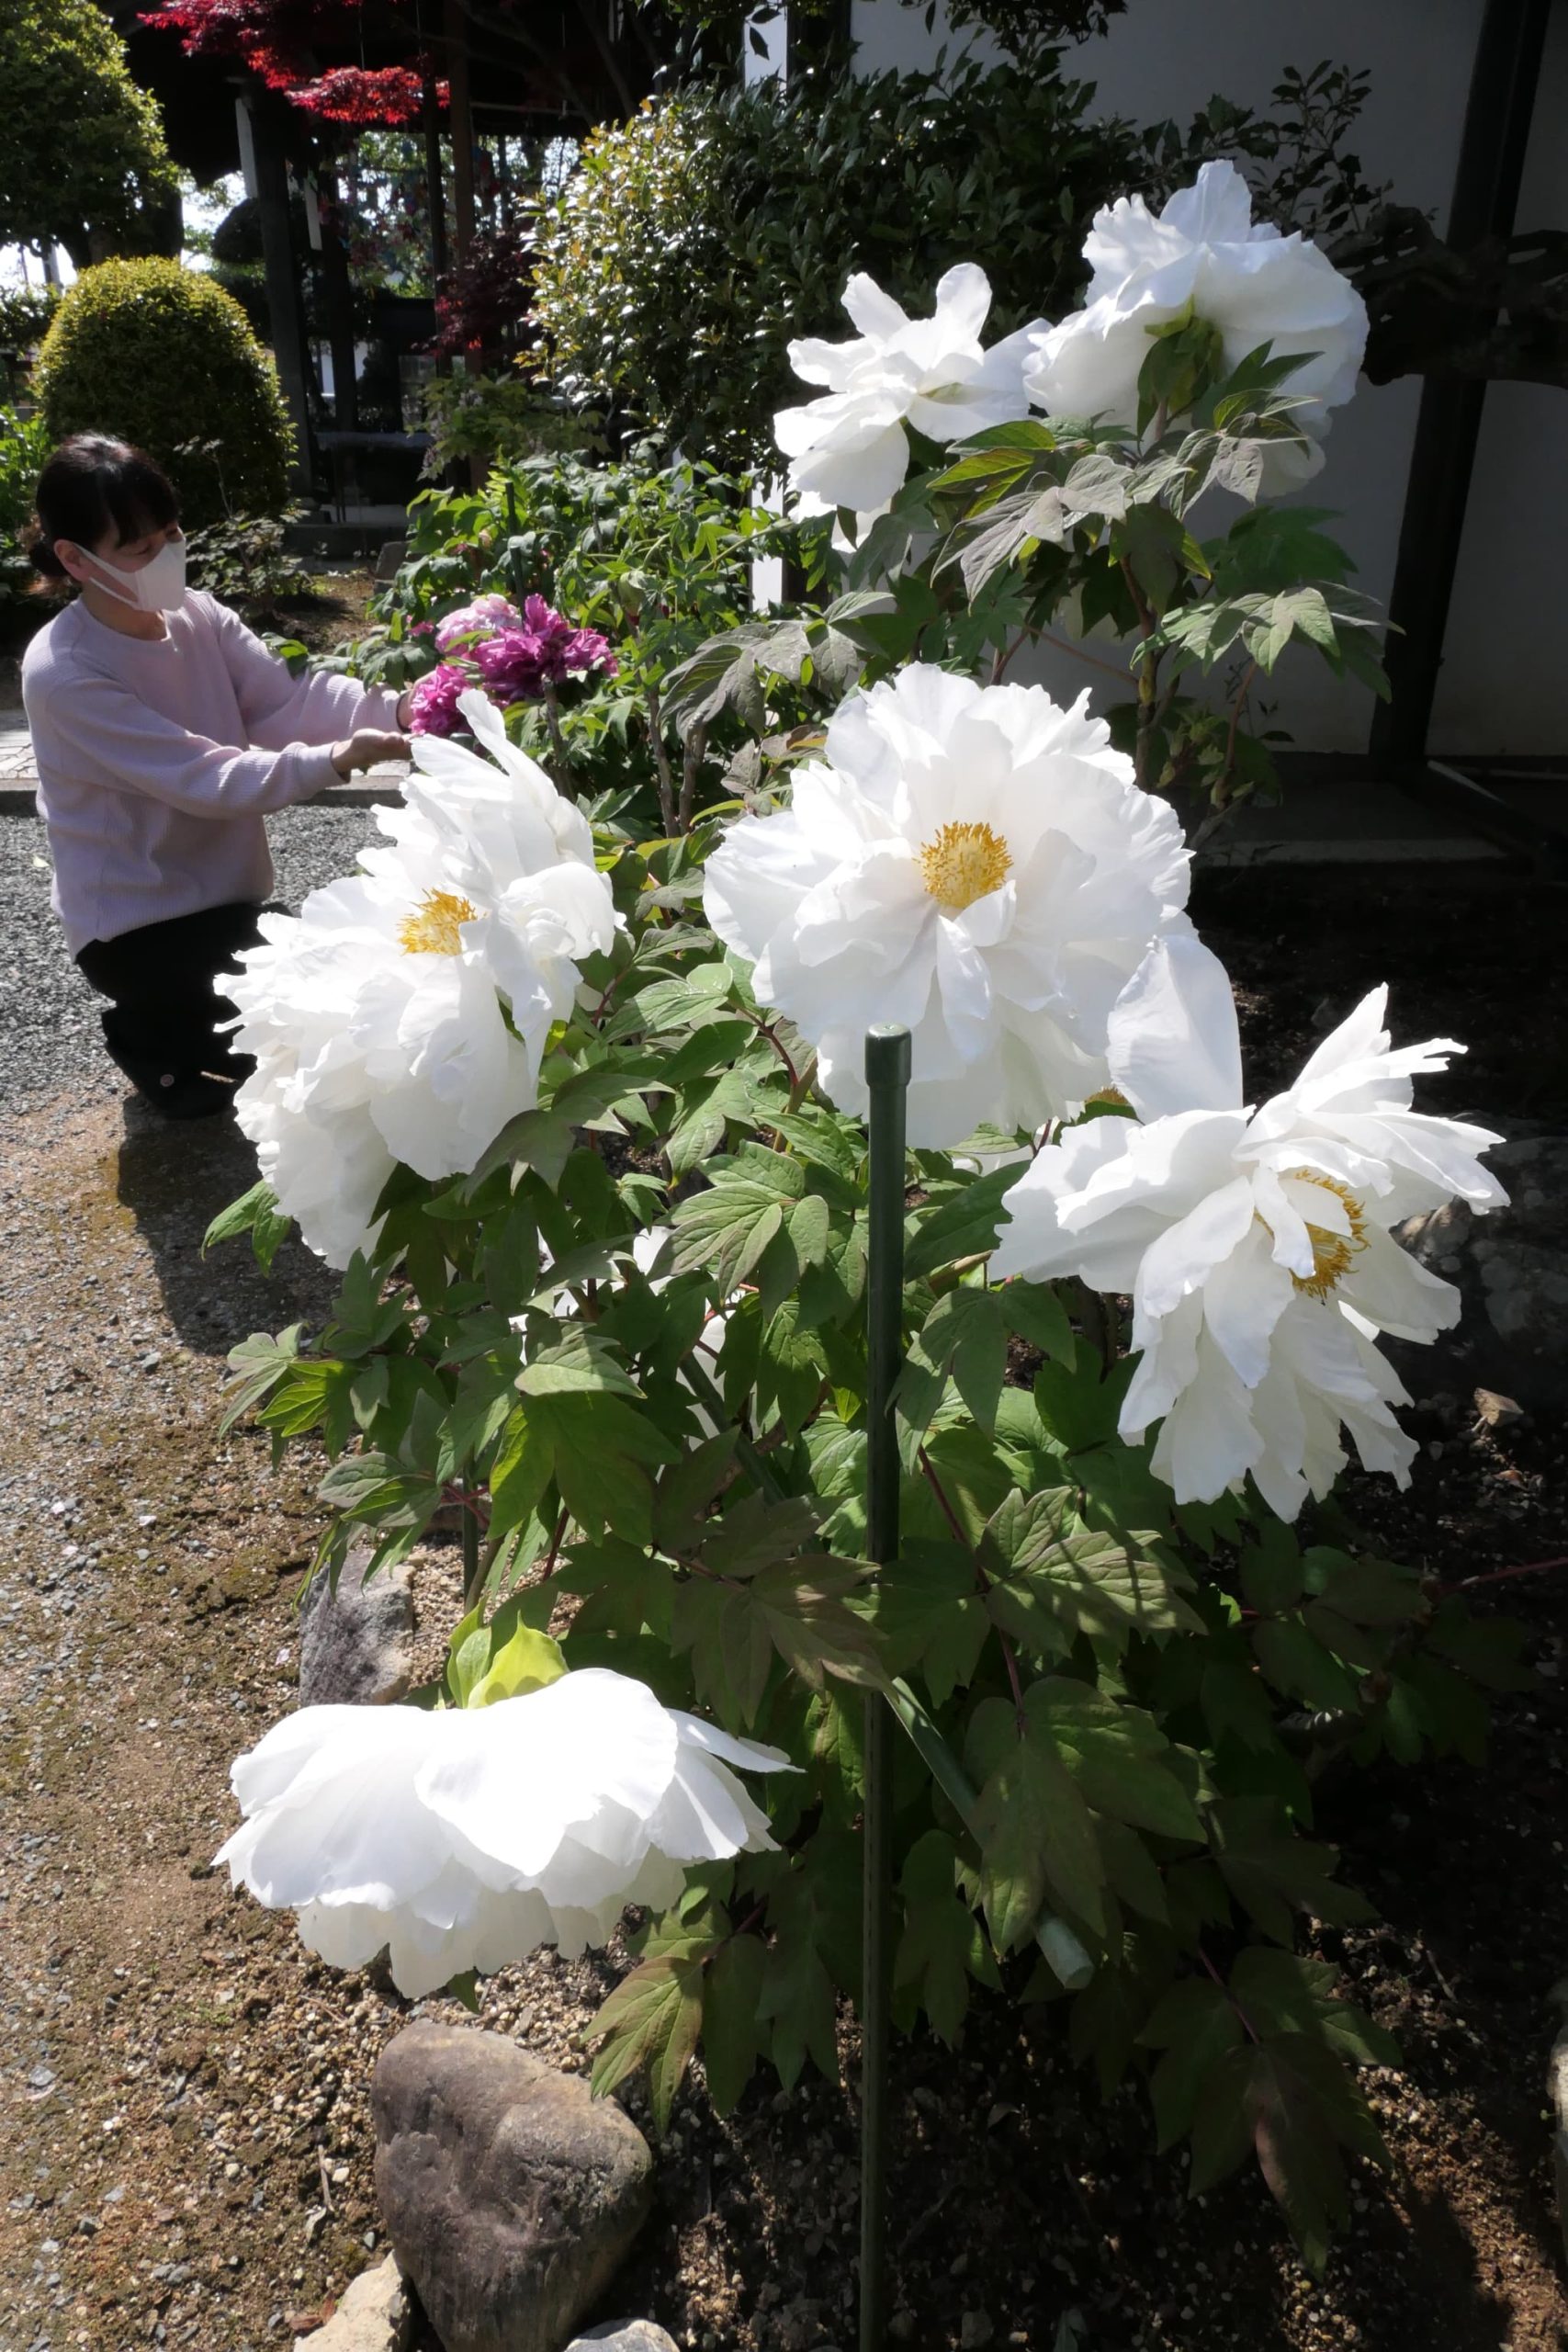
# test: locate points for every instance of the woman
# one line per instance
(163, 732)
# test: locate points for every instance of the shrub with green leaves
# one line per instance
(695, 241)
(658, 558)
(24, 446)
(163, 357)
(1128, 1614)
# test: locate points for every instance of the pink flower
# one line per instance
(434, 702)
(481, 618)
(517, 663)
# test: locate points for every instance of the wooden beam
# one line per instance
(282, 283)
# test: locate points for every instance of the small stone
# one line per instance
(357, 1642)
(975, 2329)
(510, 2194)
(375, 2315)
(625, 2335)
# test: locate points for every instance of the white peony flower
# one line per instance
(850, 449)
(1255, 1244)
(402, 1015)
(465, 1838)
(972, 862)
(1240, 275)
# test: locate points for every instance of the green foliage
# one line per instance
(243, 561)
(759, 204)
(1114, 1705)
(1072, 529)
(1103, 1798)
(496, 419)
(26, 313)
(658, 560)
(81, 157)
(24, 446)
(159, 355)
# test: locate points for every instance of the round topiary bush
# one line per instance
(163, 358)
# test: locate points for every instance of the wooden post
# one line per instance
(339, 309)
(462, 127)
(282, 286)
(435, 184)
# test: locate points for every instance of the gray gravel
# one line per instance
(49, 1020)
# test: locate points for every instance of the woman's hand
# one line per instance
(368, 747)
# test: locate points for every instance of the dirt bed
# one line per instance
(185, 2141)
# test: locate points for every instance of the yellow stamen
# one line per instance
(963, 863)
(435, 926)
(1331, 1252)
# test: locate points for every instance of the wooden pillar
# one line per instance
(282, 284)
(435, 182)
(338, 304)
(462, 127)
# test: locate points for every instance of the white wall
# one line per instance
(1166, 58)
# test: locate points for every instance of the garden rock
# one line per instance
(375, 2315)
(510, 2196)
(356, 1643)
(625, 2335)
(1511, 1267)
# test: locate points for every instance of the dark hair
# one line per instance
(94, 483)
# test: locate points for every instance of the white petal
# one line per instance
(1174, 1043)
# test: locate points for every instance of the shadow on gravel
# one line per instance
(174, 1177)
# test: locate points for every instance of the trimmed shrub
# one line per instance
(165, 359)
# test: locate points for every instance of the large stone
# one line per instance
(375, 2315)
(1511, 1268)
(625, 2335)
(357, 1642)
(510, 2194)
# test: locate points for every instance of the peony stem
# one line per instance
(660, 758)
(691, 768)
(1498, 1575)
(557, 740)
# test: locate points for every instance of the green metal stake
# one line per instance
(471, 1578)
(887, 1076)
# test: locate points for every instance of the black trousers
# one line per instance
(162, 1024)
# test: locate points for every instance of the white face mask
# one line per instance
(158, 587)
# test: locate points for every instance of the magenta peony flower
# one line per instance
(516, 664)
(433, 702)
(481, 618)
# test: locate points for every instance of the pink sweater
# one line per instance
(158, 760)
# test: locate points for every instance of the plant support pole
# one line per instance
(887, 1077)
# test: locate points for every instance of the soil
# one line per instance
(331, 609)
(185, 2148)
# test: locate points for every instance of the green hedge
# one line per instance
(163, 358)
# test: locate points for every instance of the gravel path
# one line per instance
(47, 1013)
